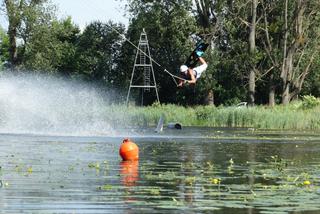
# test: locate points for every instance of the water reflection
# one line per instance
(129, 173)
(172, 176)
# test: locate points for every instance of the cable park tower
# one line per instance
(142, 76)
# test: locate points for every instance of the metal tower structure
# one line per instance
(142, 73)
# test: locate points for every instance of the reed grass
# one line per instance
(293, 116)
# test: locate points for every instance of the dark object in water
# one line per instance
(174, 126)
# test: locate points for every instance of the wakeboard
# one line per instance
(193, 59)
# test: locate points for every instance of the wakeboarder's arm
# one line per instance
(193, 78)
(181, 82)
(202, 61)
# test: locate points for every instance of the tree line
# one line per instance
(261, 52)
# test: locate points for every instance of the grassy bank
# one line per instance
(293, 116)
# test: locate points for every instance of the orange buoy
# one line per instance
(129, 150)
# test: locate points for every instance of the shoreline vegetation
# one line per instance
(299, 115)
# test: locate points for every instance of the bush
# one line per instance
(310, 102)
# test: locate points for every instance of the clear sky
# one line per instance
(85, 11)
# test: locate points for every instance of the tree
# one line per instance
(252, 49)
(269, 37)
(97, 53)
(206, 13)
(13, 10)
(22, 16)
(67, 36)
(233, 59)
(293, 38)
(4, 45)
(273, 35)
(51, 47)
(299, 49)
(170, 27)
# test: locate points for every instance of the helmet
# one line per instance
(183, 68)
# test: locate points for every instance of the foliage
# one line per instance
(98, 49)
(310, 102)
(51, 48)
(259, 117)
(169, 26)
(4, 44)
(37, 41)
(23, 17)
(312, 84)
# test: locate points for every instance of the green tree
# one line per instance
(52, 47)
(303, 45)
(67, 35)
(209, 15)
(291, 42)
(229, 39)
(4, 45)
(13, 11)
(170, 27)
(23, 16)
(280, 51)
(98, 51)
(312, 84)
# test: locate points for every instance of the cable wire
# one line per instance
(165, 70)
(126, 39)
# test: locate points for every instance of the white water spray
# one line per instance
(33, 104)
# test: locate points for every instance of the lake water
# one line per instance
(193, 170)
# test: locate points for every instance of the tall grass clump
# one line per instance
(293, 116)
(298, 115)
(149, 116)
